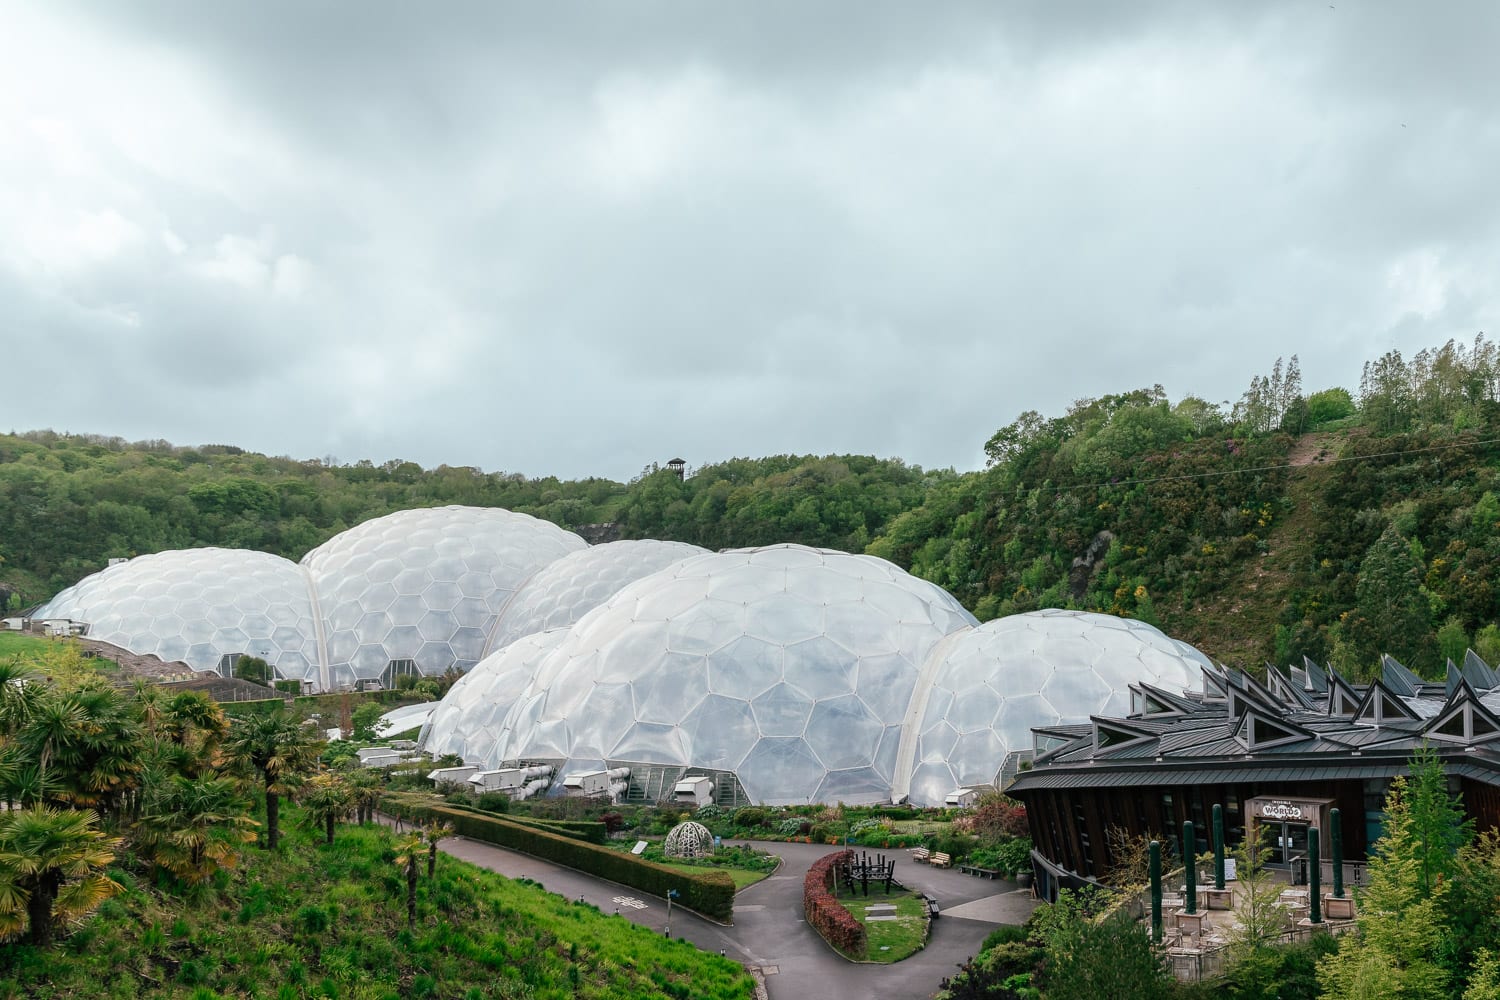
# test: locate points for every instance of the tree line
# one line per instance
(1129, 504)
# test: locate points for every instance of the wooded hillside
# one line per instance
(1335, 525)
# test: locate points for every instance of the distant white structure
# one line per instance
(696, 790)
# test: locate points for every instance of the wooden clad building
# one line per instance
(1279, 755)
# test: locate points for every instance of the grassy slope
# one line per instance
(330, 921)
(1236, 626)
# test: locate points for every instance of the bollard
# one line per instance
(1190, 863)
(1336, 850)
(1218, 846)
(1155, 863)
(1315, 866)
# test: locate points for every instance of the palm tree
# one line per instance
(410, 847)
(194, 826)
(366, 786)
(50, 861)
(434, 831)
(278, 748)
(327, 799)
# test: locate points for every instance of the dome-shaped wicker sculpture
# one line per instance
(689, 840)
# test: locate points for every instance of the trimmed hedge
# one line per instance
(254, 707)
(590, 830)
(824, 913)
(710, 893)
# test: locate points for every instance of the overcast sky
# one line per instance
(572, 239)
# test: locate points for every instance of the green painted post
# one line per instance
(1336, 850)
(1154, 853)
(1315, 868)
(1218, 846)
(1190, 863)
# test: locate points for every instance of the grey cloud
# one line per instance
(569, 239)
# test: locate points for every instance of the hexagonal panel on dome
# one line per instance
(198, 606)
(740, 651)
(992, 684)
(439, 569)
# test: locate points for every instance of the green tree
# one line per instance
(253, 669)
(327, 799)
(279, 749)
(1392, 613)
(51, 868)
(1453, 639)
(195, 826)
(1402, 922)
(1329, 405)
(409, 856)
(1257, 898)
(434, 832)
(1090, 958)
(366, 720)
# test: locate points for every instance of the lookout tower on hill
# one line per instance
(678, 467)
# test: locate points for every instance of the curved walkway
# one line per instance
(769, 932)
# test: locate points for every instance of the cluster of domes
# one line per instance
(807, 674)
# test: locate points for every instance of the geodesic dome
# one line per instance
(199, 606)
(564, 591)
(468, 721)
(688, 840)
(788, 665)
(419, 590)
(992, 684)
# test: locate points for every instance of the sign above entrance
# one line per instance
(1287, 810)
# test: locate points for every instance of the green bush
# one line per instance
(710, 892)
(750, 816)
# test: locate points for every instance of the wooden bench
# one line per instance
(981, 872)
(920, 854)
(932, 906)
(941, 860)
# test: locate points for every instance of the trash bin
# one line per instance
(1299, 871)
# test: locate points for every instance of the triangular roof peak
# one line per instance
(1381, 705)
(1399, 679)
(1478, 673)
(1259, 730)
(1343, 698)
(1316, 675)
(1286, 689)
(1464, 718)
(1112, 734)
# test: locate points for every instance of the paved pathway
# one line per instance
(769, 931)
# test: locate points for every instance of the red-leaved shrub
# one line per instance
(824, 914)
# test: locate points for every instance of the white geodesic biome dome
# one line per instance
(419, 590)
(200, 606)
(470, 719)
(991, 685)
(790, 666)
(564, 591)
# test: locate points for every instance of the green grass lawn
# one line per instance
(743, 875)
(889, 940)
(12, 643)
(317, 920)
